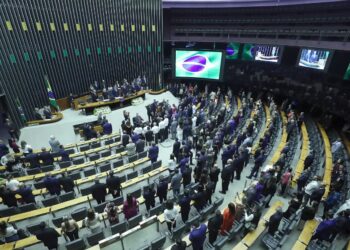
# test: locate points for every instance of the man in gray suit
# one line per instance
(131, 148)
(173, 127)
(176, 183)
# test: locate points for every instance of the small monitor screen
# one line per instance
(232, 50)
(267, 53)
(249, 51)
(199, 64)
(347, 73)
(312, 58)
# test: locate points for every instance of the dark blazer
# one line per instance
(140, 146)
(113, 184)
(226, 172)
(176, 148)
(33, 159)
(215, 222)
(107, 128)
(149, 135)
(52, 184)
(125, 139)
(274, 222)
(98, 190)
(67, 184)
(187, 175)
(27, 194)
(64, 155)
(49, 237)
(47, 158)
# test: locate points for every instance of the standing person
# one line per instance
(214, 225)
(92, 221)
(176, 183)
(308, 212)
(162, 190)
(46, 157)
(149, 196)
(274, 221)
(170, 215)
(26, 193)
(48, 236)
(259, 160)
(98, 191)
(63, 154)
(153, 152)
(310, 188)
(8, 197)
(70, 228)
(209, 191)
(251, 220)
(228, 218)
(185, 205)
(176, 149)
(149, 136)
(125, 138)
(225, 176)
(198, 235)
(155, 130)
(187, 176)
(172, 164)
(179, 245)
(285, 180)
(140, 145)
(52, 184)
(67, 183)
(131, 148)
(113, 184)
(130, 207)
(112, 213)
(54, 144)
(214, 175)
(301, 182)
(107, 128)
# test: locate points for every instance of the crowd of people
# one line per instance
(209, 144)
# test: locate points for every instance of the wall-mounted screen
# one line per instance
(199, 64)
(232, 51)
(249, 51)
(267, 53)
(313, 58)
(347, 73)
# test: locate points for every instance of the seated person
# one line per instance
(46, 157)
(47, 112)
(37, 114)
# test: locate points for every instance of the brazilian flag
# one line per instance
(52, 98)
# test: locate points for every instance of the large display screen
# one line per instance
(347, 73)
(312, 58)
(232, 51)
(267, 53)
(249, 51)
(199, 64)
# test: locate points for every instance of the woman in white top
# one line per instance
(70, 228)
(172, 163)
(92, 221)
(170, 215)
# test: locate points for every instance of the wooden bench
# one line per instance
(283, 141)
(55, 118)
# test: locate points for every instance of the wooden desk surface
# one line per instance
(299, 246)
(308, 230)
(240, 246)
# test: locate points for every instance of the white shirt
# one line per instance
(336, 146)
(12, 184)
(155, 129)
(138, 130)
(162, 125)
(170, 215)
(166, 121)
(171, 165)
(311, 187)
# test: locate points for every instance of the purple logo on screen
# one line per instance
(195, 63)
(230, 51)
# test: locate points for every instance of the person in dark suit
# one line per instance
(8, 197)
(176, 149)
(162, 190)
(140, 145)
(52, 184)
(46, 157)
(149, 196)
(26, 193)
(214, 225)
(153, 152)
(113, 184)
(149, 136)
(4, 150)
(98, 191)
(107, 128)
(225, 177)
(199, 198)
(32, 158)
(48, 236)
(238, 165)
(274, 221)
(63, 154)
(209, 190)
(187, 176)
(125, 139)
(67, 183)
(185, 205)
(214, 175)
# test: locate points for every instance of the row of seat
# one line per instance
(80, 214)
(119, 168)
